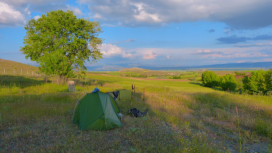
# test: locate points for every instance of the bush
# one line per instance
(136, 75)
(259, 81)
(269, 93)
(268, 80)
(210, 79)
(228, 82)
(176, 77)
(245, 81)
(239, 73)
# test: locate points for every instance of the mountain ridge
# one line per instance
(238, 66)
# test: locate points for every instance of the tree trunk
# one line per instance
(62, 79)
(45, 79)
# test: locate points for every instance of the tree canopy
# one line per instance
(228, 82)
(259, 81)
(60, 42)
(210, 79)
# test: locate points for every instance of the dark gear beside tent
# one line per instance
(137, 113)
(97, 111)
(115, 94)
(121, 94)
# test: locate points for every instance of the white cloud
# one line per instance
(37, 17)
(201, 53)
(205, 51)
(185, 56)
(109, 50)
(77, 12)
(108, 25)
(17, 12)
(98, 16)
(247, 14)
(34, 2)
(130, 40)
(10, 16)
(149, 56)
(143, 16)
(253, 45)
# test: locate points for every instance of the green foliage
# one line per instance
(268, 79)
(59, 42)
(210, 79)
(38, 106)
(239, 73)
(259, 81)
(228, 82)
(175, 77)
(245, 81)
(136, 75)
(263, 127)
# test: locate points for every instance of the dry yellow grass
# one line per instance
(11, 68)
(182, 117)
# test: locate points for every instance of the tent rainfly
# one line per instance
(97, 111)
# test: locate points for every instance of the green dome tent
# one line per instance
(97, 111)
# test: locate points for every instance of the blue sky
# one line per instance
(158, 32)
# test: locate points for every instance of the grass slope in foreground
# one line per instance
(182, 117)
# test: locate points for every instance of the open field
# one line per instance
(183, 117)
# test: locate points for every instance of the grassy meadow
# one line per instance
(183, 116)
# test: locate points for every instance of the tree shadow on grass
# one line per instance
(19, 81)
(200, 84)
(23, 82)
(197, 83)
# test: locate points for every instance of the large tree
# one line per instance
(60, 42)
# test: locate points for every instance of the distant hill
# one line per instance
(231, 66)
(109, 67)
(10, 66)
(228, 66)
(135, 69)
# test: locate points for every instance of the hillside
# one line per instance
(182, 117)
(11, 66)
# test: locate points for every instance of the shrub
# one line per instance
(137, 75)
(239, 73)
(210, 79)
(268, 80)
(259, 81)
(176, 77)
(245, 81)
(269, 93)
(228, 82)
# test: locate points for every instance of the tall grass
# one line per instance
(182, 117)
